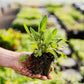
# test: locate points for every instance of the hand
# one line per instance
(22, 69)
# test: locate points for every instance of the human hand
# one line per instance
(22, 69)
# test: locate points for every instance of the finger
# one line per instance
(28, 74)
(51, 68)
(24, 72)
(49, 76)
(43, 78)
(36, 76)
(24, 53)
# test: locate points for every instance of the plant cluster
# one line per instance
(44, 41)
(29, 13)
(51, 8)
(18, 24)
(79, 48)
(10, 39)
(31, 18)
(69, 16)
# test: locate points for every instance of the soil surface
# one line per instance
(7, 18)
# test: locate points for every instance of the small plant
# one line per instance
(46, 48)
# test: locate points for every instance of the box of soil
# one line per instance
(71, 33)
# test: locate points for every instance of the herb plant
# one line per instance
(46, 47)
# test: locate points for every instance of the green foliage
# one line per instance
(9, 39)
(54, 5)
(18, 24)
(76, 15)
(78, 46)
(29, 13)
(44, 41)
(24, 42)
(9, 76)
(82, 70)
(70, 17)
(43, 23)
(29, 16)
(26, 29)
(61, 34)
(51, 8)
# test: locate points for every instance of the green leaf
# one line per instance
(43, 23)
(48, 38)
(27, 30)
(38, 53)
(59, 40)
(55, 56)
(65, 40)
(54, 45)
(54, 32)
(34, 45)
(63, 55)
(53, 52)
(31, 39)
(39, 28)
(34, 33)
(23, 58)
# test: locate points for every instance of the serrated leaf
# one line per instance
(54, 32)
(43, 23)
(23, 58)
(27, 30)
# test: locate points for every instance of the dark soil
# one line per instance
(7, 18)
(41, 65)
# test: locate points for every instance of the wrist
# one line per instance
(11, 60)
(7, 58)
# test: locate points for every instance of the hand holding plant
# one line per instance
(46, 48)
(10, 59)
(22, 68)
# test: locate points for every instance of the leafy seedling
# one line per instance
(46, 48)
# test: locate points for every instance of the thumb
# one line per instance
(24, 53)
